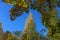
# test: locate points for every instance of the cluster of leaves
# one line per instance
(21, 6)
(49, 19)
(54, 32)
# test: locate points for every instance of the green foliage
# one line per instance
(58, 26)
(56, 36)
(47, 8)
(21, 6)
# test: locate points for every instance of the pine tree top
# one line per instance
(30, 25)
(30, 17)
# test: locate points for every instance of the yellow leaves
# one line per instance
(14, 2)
(23, 0)
(28, 36)
(25, 6)
(22, 3)
(9, 1)
(19, 4)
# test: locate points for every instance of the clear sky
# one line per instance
(19, 23)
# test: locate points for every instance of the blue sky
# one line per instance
(19, 23)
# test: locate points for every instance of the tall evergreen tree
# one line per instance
(29, 30)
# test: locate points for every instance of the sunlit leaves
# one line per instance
(8, 1)
(25, 4)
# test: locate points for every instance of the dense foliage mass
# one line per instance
(47, 8)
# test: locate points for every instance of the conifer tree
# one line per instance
(29, 30)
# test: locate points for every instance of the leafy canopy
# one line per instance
(47, 8)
